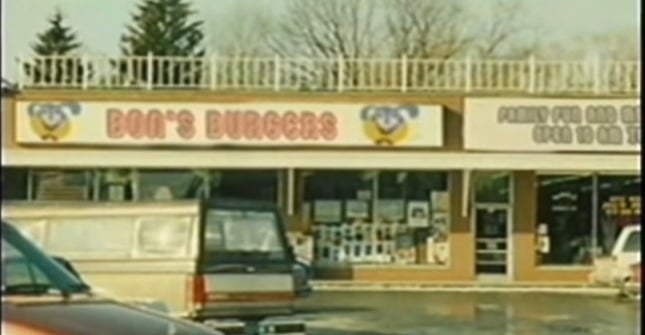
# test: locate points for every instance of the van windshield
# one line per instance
(242, 236)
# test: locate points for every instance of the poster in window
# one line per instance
(440, 201)
(405, 250)
(327, 211)
(390, 210)
(439, 225)
(356, 209)
(418, 213)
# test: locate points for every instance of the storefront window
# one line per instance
(170, 185)
(62, 185)
(261, 185)
(492, 187)
(619, 199)
(564, 218)
(15, 182)
(116, 185)
(387, 217)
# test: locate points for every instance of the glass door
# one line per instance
(492, 231)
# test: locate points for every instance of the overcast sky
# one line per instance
(99, 23)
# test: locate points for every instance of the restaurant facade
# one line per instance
(388, 188)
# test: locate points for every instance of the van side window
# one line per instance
(633, 242)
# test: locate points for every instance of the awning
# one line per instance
(318, 159)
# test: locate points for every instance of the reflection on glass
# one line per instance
(17, 270)
(491, 229)
(90, 237)
(564, 207)
(171, 184)
(338, 185)
(243, 234)
(382, 217)
(619, 199)
(492, 187)
(261, 185)
(164, 235)
(61, 185)
(116, 185)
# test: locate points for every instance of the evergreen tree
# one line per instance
(57, 40)
(164, 28)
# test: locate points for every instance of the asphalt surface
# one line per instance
(422, 313)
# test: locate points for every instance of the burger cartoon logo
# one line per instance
(53, 121)
(389, 126)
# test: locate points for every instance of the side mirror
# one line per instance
(67, 265)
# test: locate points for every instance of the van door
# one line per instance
(245, 266)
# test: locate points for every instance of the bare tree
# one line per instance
(615, 45)
(611, 45)
(239, 41)
(426, 29)
(324, 32)
(328, 29)
(243, 32)
(504, 32)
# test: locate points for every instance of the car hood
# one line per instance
(96, 317)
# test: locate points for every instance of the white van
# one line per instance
(226, 263)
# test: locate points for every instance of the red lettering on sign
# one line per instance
(156, 124)
(148, 124)
(214, 127)
(247, 125)
(135, 124)
(254, 125)
(309, 126)
(186, 124)
(234, 125)
(328, 126)
(115, 127)
(272, 125)
(290, 126)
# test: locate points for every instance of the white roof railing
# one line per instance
(529, 76)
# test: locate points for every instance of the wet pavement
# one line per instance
(423, 313)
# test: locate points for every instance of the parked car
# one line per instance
(41, 297)
(622, 268)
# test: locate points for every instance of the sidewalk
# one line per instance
(474, 287)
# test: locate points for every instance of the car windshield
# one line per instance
(232, 235)
(633, 242)
(26, 270)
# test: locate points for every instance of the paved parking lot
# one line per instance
(421, 313)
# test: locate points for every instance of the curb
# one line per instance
(461, 288)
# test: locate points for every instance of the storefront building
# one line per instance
(389, 188)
